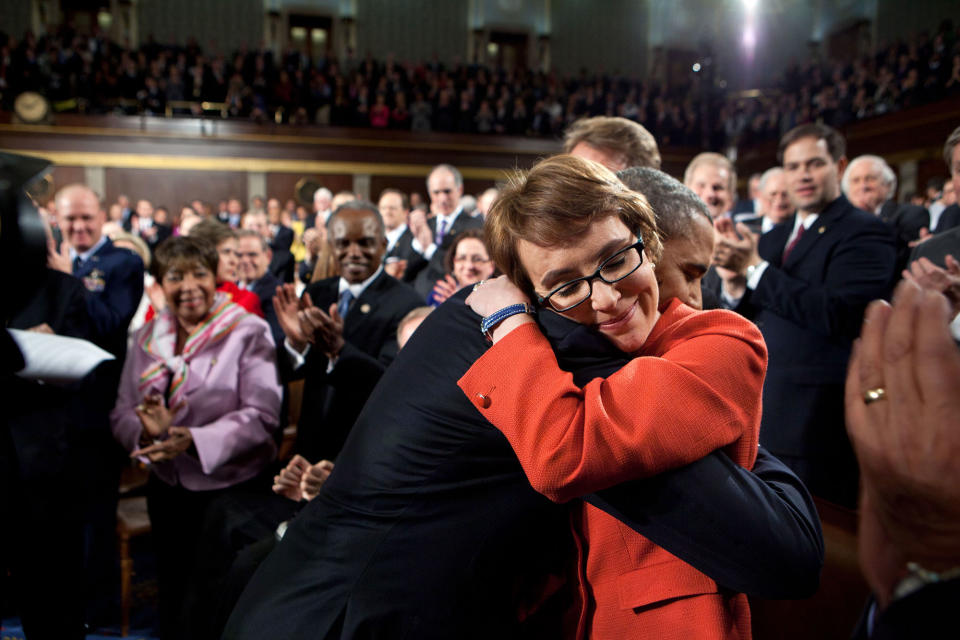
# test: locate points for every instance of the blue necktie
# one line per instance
(441, 231)
(77, 263)
(344, 305)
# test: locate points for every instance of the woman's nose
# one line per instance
(604, 296)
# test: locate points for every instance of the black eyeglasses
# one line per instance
(613, 269)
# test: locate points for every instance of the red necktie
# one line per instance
(793, 243)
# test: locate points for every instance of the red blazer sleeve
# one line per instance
(702, 393)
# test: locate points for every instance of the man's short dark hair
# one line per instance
(674, 204)
(361, 205)
(620, 135)
(404, 200)
(250, 233)
(836, 145)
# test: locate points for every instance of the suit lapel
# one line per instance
(773, 242)
(820, 227)
(365, 306)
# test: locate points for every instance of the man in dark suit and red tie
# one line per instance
(806, 284)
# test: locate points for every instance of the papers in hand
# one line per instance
(55, 358)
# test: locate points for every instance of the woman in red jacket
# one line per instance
(571, 237)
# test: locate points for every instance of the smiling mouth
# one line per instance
(620, 320)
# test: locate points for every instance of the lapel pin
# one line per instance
(821, 229)
(364, 308)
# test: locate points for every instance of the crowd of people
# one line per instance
(410, 465)
(469, 97)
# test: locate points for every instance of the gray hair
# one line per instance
(457, 177)
(887, 176)
(767, 175)
(324, 192)
(250, 233)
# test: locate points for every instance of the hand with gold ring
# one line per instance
(907, 445)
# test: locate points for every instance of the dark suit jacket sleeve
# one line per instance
(756, 533)
(112, 310)
(859, 271)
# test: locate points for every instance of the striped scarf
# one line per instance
(160, 342)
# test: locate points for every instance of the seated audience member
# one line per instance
(467, 262)
(774, 200)
(203, 428)
(871, 185)
(410, 323)
(281, 260)
(901, 408)
(686, 232)
(714, 179)
(616, 143)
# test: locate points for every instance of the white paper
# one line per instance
(57, 358)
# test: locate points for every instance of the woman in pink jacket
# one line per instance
(198, 401)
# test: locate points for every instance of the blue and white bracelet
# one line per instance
(497, 317)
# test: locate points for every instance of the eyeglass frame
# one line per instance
(545, 300)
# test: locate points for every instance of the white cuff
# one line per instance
(955, 328)
(753, 279)
(331, 363)
(296, 358)
(426, 253)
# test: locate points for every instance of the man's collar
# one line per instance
(357, 289)
(450, 218)
(89, 252)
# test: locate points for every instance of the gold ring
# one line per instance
(873, 395)
(477, 285)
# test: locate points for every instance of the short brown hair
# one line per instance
(476, 234)
(554, 204)
(212, 231)
(952, 141)
(404, 200)
(183, 250)
(626, 137)
(836, 145)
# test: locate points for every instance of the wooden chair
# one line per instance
(132, 521)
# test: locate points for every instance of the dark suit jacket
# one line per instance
(113, 278)
(428, 527)
(906, 221)
(809, 310)
(282, 239)
(424, 274)
(403, 248)
(282, 265)
(266, 288)
(927, 613)
(949, 219)
(938, 247)
(332, 401)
